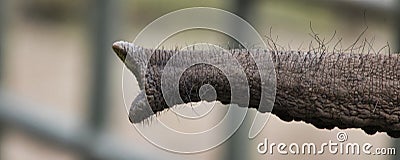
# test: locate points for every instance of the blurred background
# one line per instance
(61, 96)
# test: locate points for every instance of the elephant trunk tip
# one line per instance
(121, 49)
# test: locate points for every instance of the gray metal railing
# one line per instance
(91, 141)
(1, 59)
(54, 128)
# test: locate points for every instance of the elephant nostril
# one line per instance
(130, 119)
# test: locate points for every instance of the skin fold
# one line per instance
(344, 90)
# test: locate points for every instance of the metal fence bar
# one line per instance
(237, 148)
(99, 25)
(376, 5)
(2, 22)
(49, 127)
(53, 128)
(2, 36)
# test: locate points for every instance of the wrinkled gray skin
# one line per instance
(325, 89)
